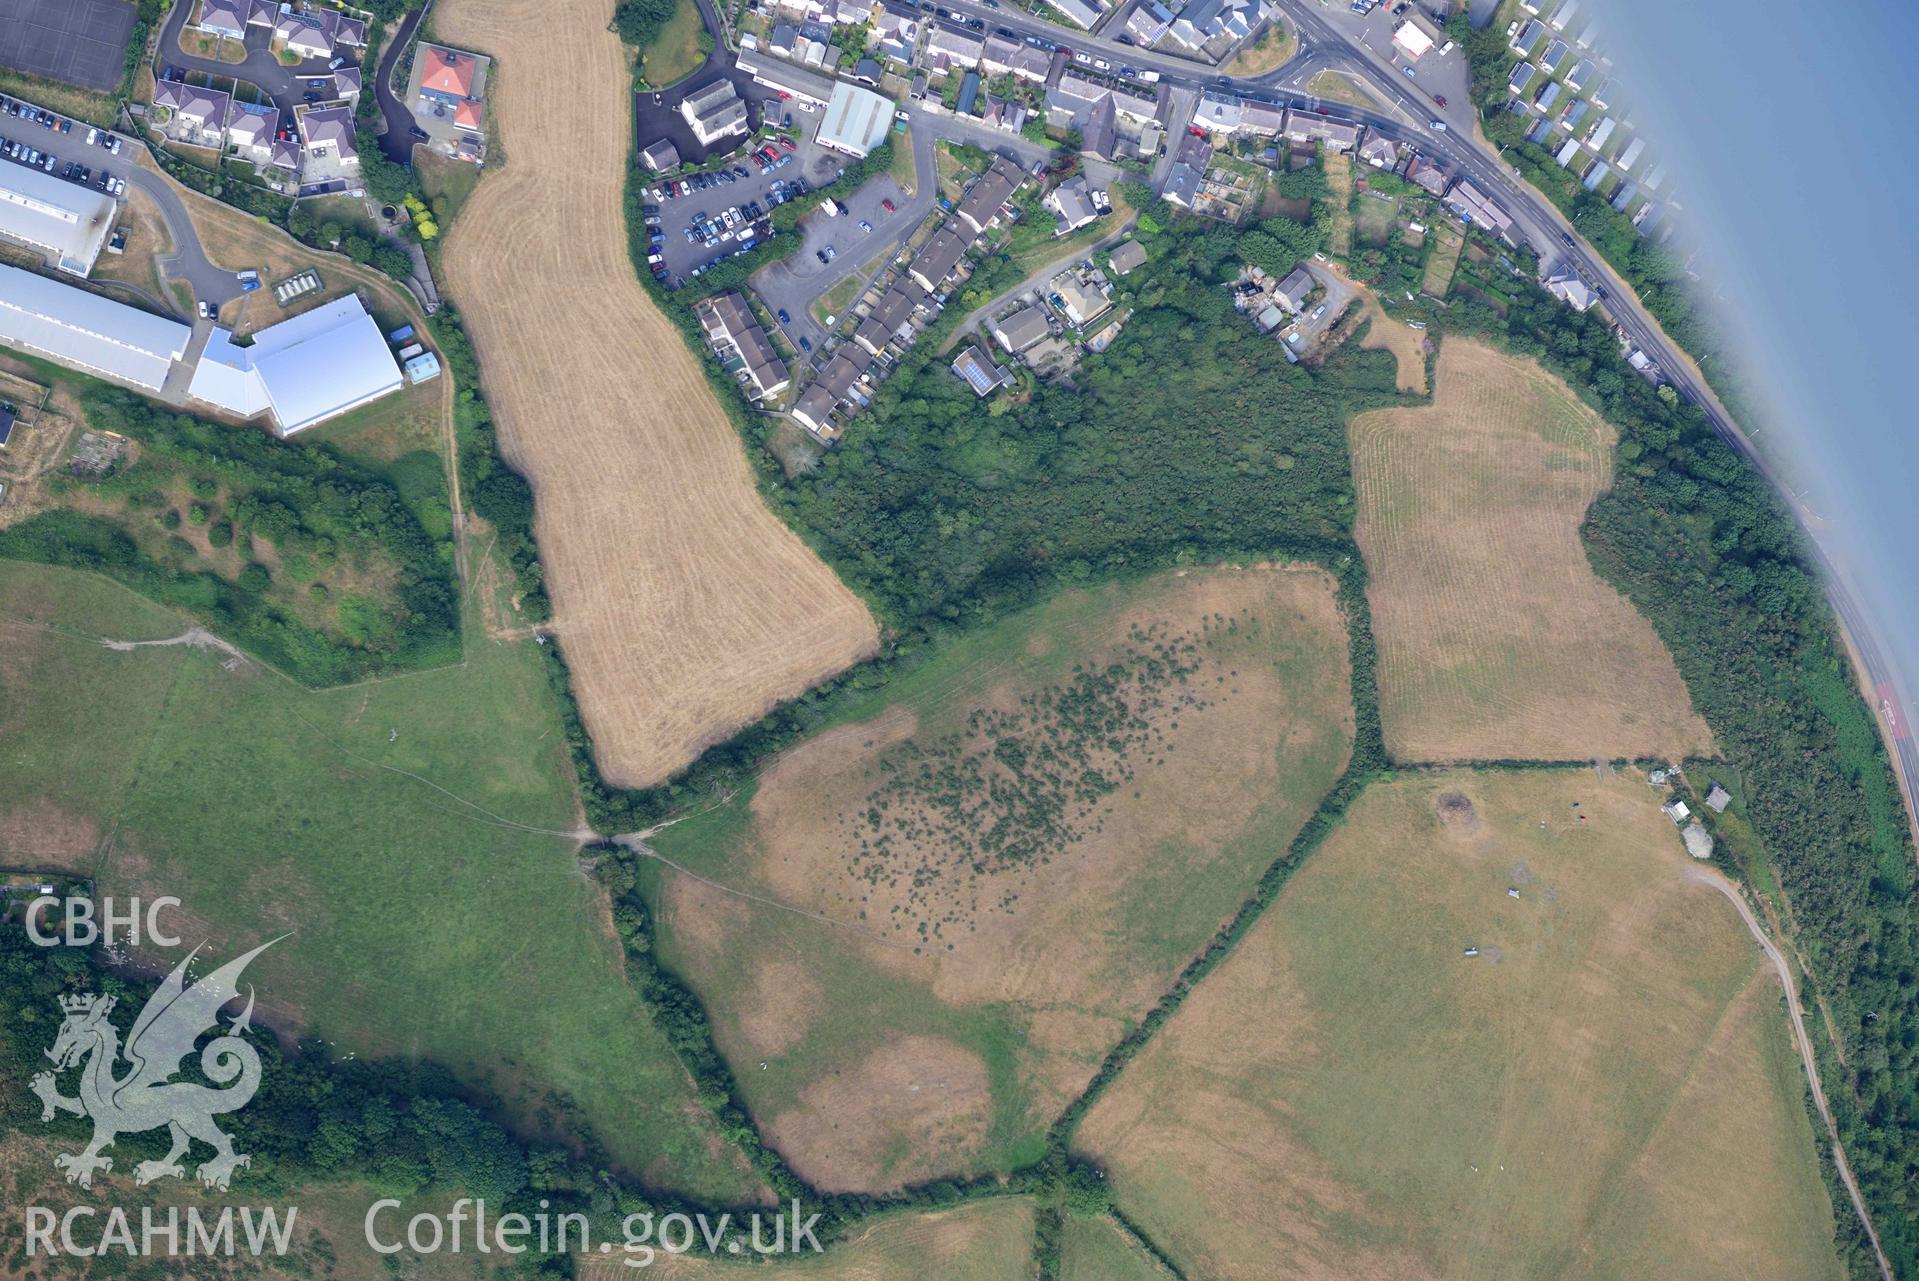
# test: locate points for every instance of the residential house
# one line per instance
(1602, 96)
(263, 13)
(868, 71)
(938, 259)
(947, 49)
(1261, 119)
(285, 155)
(1073, 203)
(197, 116)
(980, 208)
(1563, 16)
(250, 129)
(1717, 798)
(714, 112)
(1630, 156)
(1217, 113)
(1080, 13)
(1018, 330)
(981, 374)
(1566, 153)
(223, 18)
(997, 54)
(1575, 112)
(1427, 175)
(1531, 34)
(891, 318)
(1190, 162)
(1004, 113)
(328, 133)
(1522, 76)
(1310, 126)
(1595, 175)
(735, 336)
(1080, 300)
(1547, 96)
(1147, 22)
(1126, 258)
(310, 34)
(1582, 72)
(1380, 152)
(1292, 292)
(897, 31)
(1474, 206)
(661, 156)
(1596, 137)
(1555, 54)
(1229, 21)
(346, 83)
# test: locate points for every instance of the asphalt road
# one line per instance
(396, 140)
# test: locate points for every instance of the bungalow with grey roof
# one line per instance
(1020, 329)
(1427, 174)
(1474, 206)
(1126, 258)
(1380, 152)
(329, 135)
(1293, 291)
(307, 33)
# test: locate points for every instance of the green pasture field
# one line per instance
(1098, 1250)
(411, 836)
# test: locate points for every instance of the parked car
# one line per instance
(1440, 99)
(806, 344)
(1319, 311)
(865, 225)
(785, 317)
(418, 133)
(888, 205)
(789, 144)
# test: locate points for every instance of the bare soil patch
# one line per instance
(846, 1131)
(686, 608)
(1042, 833)
(1352, 1093)
(1496, 639)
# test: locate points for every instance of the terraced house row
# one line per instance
(848, 380)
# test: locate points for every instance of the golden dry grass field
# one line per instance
(686, 608)
(983, 1241)
(1607, 1090)
(952, 919)
(1496, 639)
(1408, 346)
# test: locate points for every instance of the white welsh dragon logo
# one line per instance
(147, 1097)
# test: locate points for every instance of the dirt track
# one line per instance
(686, 608)
(1706, 876)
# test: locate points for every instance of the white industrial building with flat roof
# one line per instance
(302, 371)
(856, 120)
(67, 222)
(73, 327)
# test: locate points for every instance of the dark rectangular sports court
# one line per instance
(82, 42)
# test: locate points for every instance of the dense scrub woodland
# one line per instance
(1191, 438)
(1706, 549)
(313, 560)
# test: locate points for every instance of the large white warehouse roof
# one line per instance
(89, 332)
(304, 370)
(856, 120)
(63, 219)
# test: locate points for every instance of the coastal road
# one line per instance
(1707, 876)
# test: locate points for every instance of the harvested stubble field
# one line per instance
(1014, 850)
(1608, 1089)
(1496, 639)
(686, 607)
(984, 1241)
